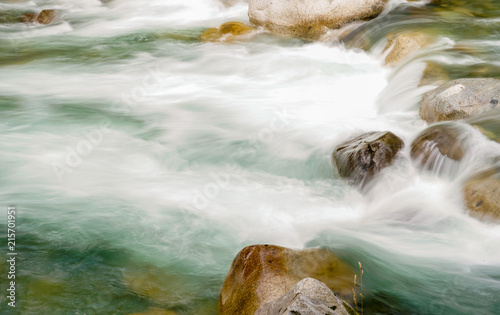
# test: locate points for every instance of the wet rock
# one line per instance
(262, 273)
(227, 32)
(434, 74)
(482, 195)
(43, 17)
(310, 20)
(436, 144)
(309, 296)
(460, 99)
(404, 45)
(361, 158)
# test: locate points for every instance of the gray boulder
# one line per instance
(361, 158)
(310, 19)
(460, 99)
(309, 296)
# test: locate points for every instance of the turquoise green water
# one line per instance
(141, 160)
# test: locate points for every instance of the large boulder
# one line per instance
(309, 296)
(262, 273)
(402, 46)
(460, 99)
(482, 195)
(438, 144)
(310, 19)
(361, 158)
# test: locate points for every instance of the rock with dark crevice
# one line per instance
(363, 157)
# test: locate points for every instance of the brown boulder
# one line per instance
(43, 17)
(262, 273)
(361, 158)
(482, 195)
(226, 32)
(437, 143)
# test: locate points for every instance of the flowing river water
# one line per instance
(141, 160)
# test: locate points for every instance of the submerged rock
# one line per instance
(361, 158)
(404, 45)
(434, 74)
(436, 144)
(310, 19)
(43, 17)
(262, 273)
(226, 32)
(482, 195)
(309, 296)
(488, 123)
(460, 99)
(156, 312)
(159, 287)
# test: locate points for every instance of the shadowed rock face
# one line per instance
(436, 143)
(482, 195)
(310, 19)
(460, 99)
(262, 273)
(361, 158)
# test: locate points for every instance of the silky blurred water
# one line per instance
(141, 160)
